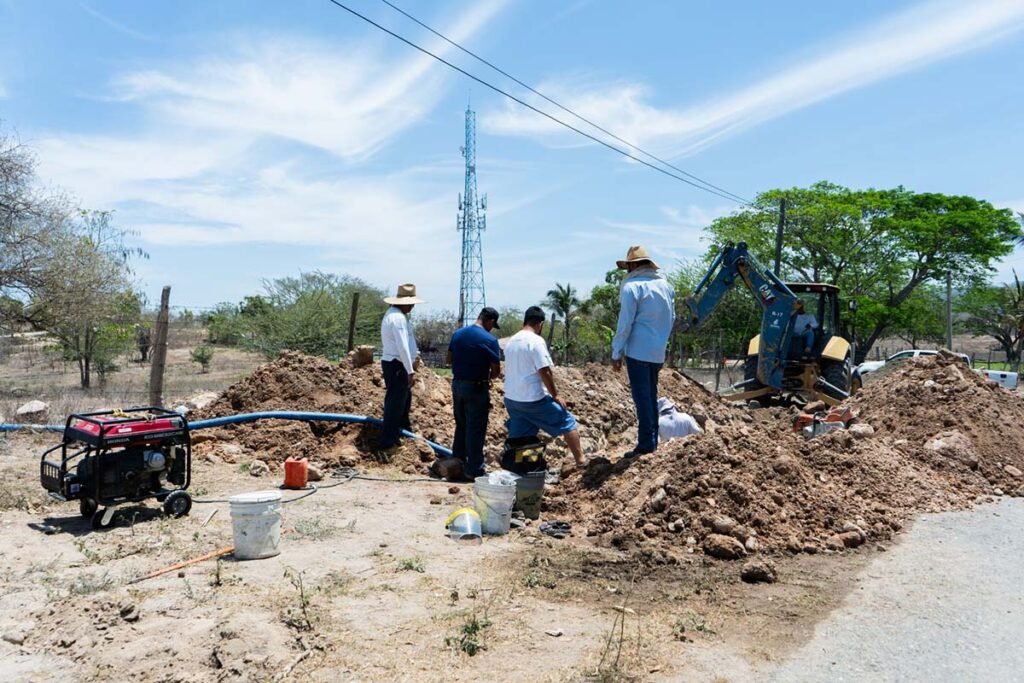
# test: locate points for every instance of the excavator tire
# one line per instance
(750, 370)
(837, 374)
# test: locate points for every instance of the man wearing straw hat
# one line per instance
(646, 316)
(399, 361)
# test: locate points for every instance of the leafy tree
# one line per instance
(310, 313)
(202, 355)
(434, 330)
(922, 317)
(83, 295)
(878, 246)
(563, 300)
(736, 320)
(33, 222)
(998, 312)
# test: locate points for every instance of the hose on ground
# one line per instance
(243, 418)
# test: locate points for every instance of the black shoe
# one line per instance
(635, 453)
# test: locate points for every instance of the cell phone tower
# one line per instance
(471, 222)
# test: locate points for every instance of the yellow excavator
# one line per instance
(778, 363)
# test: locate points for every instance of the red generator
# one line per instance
(121, 456)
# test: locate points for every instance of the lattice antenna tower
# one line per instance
(472, 221)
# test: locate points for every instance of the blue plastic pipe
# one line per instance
(243, 418)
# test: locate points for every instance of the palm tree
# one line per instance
(563, 300)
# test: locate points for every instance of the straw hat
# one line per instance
(405, 296)
(636, 254)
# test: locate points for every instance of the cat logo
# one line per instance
(766, 294)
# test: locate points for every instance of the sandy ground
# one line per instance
(367, 588)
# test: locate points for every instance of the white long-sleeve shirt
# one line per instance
(397, 340)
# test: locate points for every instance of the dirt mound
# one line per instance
(942, 436)
(597, 395)
(949, 417)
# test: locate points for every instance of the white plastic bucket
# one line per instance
(493, 502)
(256, 524)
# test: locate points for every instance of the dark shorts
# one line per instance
(525, 418)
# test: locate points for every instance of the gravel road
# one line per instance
(946, 603)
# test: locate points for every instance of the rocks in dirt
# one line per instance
(861, 430)
(201, 400)
(759, 571)
(449, 469)
(1013, 471)
(258, 468)
(723, 547)
(314, 472)
(129, 611)
(955, 445)
(16, 635)
(229, 452)
(361, 356)
(33, 411)
(846, 539)
(658, 501)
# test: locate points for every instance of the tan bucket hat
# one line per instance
(636, 254)
(406, 296)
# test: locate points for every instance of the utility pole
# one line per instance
(778, 235)
(471, 222)
(156, 370)
(949, 311)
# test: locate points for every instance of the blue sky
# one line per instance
(245, 140)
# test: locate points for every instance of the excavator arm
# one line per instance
(778, 302)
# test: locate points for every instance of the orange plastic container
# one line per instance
(296, 473)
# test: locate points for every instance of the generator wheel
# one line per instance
(87, 507)
(178, 504)
(97, 519)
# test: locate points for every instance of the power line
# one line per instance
(512, 97)
(561, 106)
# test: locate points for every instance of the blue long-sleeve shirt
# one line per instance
(646, 314)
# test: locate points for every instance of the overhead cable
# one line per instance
(522, 102)
(567, 110)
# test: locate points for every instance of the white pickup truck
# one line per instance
(1002, 377)
(1005, 379)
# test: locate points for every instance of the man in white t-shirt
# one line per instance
(531, 396)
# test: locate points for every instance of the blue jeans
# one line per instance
(808, 339)
(397, 402)
(643, 384)
(472, 404)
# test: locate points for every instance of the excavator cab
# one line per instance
(829, 358)
(821, 301)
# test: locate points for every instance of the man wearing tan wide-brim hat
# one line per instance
(646, 316)
(399, 361)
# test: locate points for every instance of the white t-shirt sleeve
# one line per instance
(539, 354)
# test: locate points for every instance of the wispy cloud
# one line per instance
(116, 25)
(901, 43)
(242, 146)
(345, 101)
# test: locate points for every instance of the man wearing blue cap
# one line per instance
(475, 358)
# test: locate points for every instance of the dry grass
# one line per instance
(30, 369)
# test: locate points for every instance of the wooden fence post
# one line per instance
(352, 321)
(156, 370)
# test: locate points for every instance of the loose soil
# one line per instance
(943, 437)
(368, 587)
